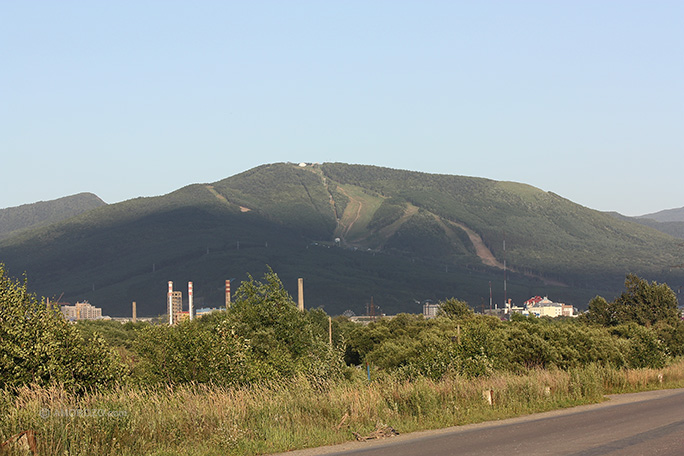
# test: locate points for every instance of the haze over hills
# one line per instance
(14, 219)
(670, 221)
(668, 215)
(352, 232)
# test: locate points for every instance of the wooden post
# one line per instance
(135, 312)
(330, 330)
(488, 395)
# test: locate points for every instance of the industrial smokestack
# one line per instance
(191, 305)
(135, 312)
(300, 302)
(227, 294)
(170, 302)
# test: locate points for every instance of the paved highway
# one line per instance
(650, 423)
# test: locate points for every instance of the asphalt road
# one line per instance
(650, 423)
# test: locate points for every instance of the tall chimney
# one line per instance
(170, 302)
(135, 312)
(227, 294)
(300, 303)
(191, 305)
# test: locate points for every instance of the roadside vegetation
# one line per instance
(263, 377)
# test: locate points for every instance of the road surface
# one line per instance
(650, 423)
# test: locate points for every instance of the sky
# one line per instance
(139, 98)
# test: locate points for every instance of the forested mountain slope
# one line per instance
(353, 232)
(14, 219)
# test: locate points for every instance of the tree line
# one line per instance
(264, 337)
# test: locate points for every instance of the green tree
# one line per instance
(602, 312)
(642, 302)
(646, 303)
(37, 345)
(200, 351)
(262, 337)
(284, 341)
(455, 309)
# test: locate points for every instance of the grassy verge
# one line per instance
(211, 420)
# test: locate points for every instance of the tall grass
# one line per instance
(213, 420)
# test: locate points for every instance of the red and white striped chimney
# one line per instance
(227, 294)
(170, 298)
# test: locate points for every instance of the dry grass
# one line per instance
(211, 420)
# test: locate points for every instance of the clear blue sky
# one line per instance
(139, 98)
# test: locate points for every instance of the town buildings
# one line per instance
(81, 311)
(430, 310)
(544, 307)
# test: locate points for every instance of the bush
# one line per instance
(40, 347)
(262, 337)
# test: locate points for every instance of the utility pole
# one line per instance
(504, 261)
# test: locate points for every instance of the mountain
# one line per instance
(14, 219)
(664, 221)
(354, 233)
(668, 215)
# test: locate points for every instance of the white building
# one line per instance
(430, 310)
(547, 308)
(81, 311)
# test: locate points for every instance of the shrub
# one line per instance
(262, 337)
(40, 347)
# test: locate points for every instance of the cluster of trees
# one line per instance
(37, 346)
(641, 328)
(264, 337)
(643, 303)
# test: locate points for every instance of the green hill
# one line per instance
(668, 215)
(15, 219)
(352, 232)
(673, 228)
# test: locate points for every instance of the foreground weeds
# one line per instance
(266, 418)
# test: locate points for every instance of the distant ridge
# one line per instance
(14, 219)
(663, 221)
(352, 232)
(668, 215)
